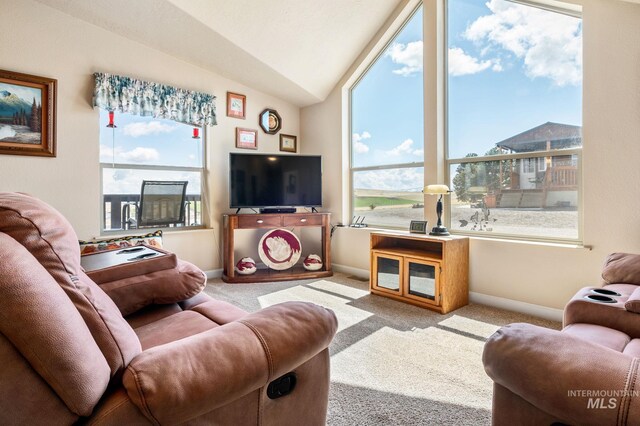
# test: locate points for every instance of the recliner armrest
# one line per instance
(562, 374)
(184, 379)
(611, 315)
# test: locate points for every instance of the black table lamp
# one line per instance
(438, 190)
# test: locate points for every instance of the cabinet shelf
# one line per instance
(233, 222)
(431, 272)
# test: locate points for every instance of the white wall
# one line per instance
(42, 41)
(539, 274)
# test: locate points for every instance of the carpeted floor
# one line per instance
(393, 363)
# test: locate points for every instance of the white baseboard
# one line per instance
(360, 273)
(214, 273)
(482, 299)
(516, 306)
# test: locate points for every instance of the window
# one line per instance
(387, 135)
(514, 117)
(146, 148)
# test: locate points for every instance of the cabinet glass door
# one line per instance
(388, 272)
(422, 280)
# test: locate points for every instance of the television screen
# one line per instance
(267, 180)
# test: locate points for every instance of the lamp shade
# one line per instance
(436, 189)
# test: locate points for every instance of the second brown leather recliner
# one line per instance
(587, 374)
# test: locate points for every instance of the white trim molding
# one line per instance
(214, 273)
(516, 306)
(360, 273)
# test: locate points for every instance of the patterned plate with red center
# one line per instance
(279, 249)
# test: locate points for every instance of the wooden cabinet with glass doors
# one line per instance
(431, 272)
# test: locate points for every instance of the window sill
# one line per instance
(556, 244)
(142, 231)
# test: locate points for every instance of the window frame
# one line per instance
(415, 164)
(126, 166)
(550, 6)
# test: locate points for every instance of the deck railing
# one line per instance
(120, 209)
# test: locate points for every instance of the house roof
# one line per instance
(296, 50)
(557, 135)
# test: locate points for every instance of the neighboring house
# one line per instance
(549, 181)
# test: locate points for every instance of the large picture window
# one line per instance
(514, 113)
(144, 148)
(387, 136)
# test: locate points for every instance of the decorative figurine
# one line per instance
(313, 262)
(246, 266)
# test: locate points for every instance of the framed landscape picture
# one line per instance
(246, 138)
(27, 114)
(288, 143)
(236, 105)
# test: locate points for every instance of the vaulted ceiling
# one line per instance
(293, 49)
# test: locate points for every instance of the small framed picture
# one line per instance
(418, 227)
(246, 138)
(236, 105)
(288, 143)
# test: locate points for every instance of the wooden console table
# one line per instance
(272, 221)
(427, 271)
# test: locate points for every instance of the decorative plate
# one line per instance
(279, 249)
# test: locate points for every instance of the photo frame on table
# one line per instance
(288, 143)
(418, 227)
(236, 105)
(246, 138)
(27, 114)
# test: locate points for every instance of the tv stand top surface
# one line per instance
(276, 210)
(276, 220)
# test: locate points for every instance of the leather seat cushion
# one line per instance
(633, 348)
(604, 336)
(172, 328)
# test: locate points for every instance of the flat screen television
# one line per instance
(268, 180)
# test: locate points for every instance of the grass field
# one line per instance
(382, 201)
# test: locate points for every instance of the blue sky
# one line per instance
(147, 141)
(511, 68)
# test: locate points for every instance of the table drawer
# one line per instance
(301, 220)
(261, 221)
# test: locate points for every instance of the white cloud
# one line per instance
(409, 55)
(136, 155)
(549, 44)
(358, 146)
(408, 179)
(462, 64)
(142, 129)
(406, 147)
(140, 155)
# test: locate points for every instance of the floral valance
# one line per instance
(125, 94)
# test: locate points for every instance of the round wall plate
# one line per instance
(270, 121)
(279, 249)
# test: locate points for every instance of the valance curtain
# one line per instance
(125, 94)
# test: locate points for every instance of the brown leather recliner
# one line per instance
(67, 355)
(586, 374)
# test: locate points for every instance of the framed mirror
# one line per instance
(270, 121)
